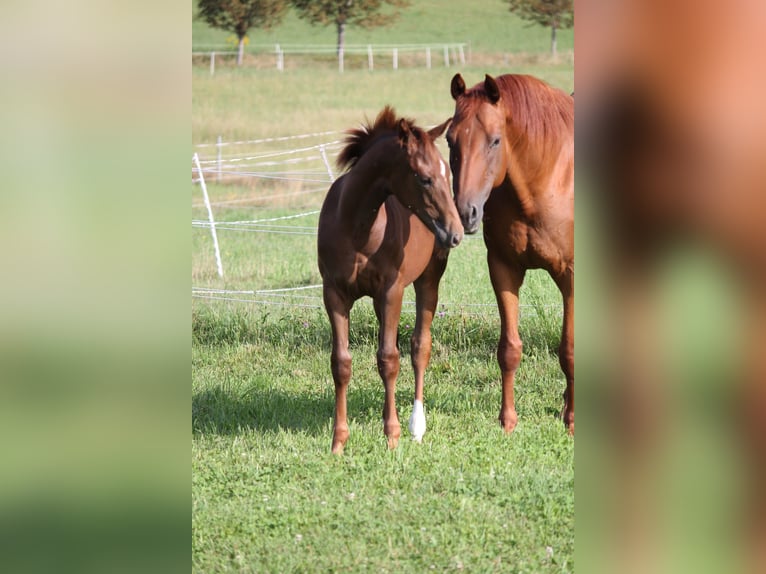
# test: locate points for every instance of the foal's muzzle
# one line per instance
(447, 238)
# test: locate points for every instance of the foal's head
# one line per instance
(427, 193)
(425, 187)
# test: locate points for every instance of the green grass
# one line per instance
(246, 103)
(267, 495)
(487, 25)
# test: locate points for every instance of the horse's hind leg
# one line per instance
(506, 281)
(426, 297)
(566, 348)
(340, 360)
(388, 309)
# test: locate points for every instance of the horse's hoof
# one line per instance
(392, 431)
(508, 421)
(339, 438)
(568, 418)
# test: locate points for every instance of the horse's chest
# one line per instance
(522, 244)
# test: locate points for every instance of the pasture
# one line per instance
(267, 495)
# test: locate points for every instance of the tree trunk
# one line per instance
(240, 50)
(553, 40)
(341, 43)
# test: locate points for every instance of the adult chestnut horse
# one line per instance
(512, 158)
(387, 222)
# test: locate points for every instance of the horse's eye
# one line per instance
(426, 181)
(495, 143)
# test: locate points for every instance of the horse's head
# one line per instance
(427, 193)
(477, 144)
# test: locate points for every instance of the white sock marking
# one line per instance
(418, 421)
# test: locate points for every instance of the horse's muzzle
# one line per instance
(471, 218)
(445, 237)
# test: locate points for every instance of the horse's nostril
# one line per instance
(474, 213)
(454, 240)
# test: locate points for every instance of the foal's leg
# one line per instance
(340, 360)
(426, 297)
(566, 348)
(506, 281)
(388, 308)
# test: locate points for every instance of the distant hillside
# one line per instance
(486, 24)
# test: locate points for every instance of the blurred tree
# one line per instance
(364, 13)
(239, 16)
(558, 14)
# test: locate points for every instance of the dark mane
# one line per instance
(358, 140)
(542, 112)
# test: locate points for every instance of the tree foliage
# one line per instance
(341, 13)
(555, 14)
(239, 16)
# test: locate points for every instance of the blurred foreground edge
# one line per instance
(671, 232)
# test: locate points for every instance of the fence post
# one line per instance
(462, 55)
(218, 145)
(446, 56)
(370, 63)
(326, 163)
(396, 59)
(212, 63)
(340, 61)
(210, 216)
(428, 57)
(280, 58)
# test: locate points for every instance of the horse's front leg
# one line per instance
(388, 309)
(426, 297)
(566, 348)
(340, 361)
(506, 282)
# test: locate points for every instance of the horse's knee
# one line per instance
(509, 353)
(420, 346)
(388, 363)
(340, 363)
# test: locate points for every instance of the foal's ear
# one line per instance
(407, 137)
(457, 88)
(491, 89)
(439, 130)
(404, 132)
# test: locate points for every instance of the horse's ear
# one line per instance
(407, 137)
(457, 88)
(491, 89)
(404, 132)
(439, 130)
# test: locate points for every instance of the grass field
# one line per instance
(487, 25)
(267, 495)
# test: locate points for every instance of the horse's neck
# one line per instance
(520, 176)
(529, 167)
(367, 186)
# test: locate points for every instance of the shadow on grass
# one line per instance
(223, 412)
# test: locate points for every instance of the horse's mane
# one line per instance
(358, 140)
(543, 113)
